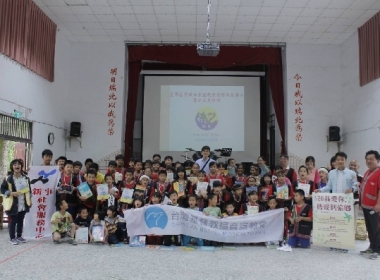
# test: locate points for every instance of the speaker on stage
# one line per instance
(75, 129)
(334, 133)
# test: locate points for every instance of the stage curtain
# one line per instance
(27, 35)
(369, 50)
(277, 89)
(12, 29)
(229, 57)
(134, 69)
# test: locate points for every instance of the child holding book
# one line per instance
(67, 188)
(230, 206)
(114, 234)
(90, 201)
(192, 202)
(142, 188)
(97, 230)
(102, 205)
(128, 184)
(284, 192)
(200, 193)
(62, 224)
(304, 183)
(181, 186)
(169, 239)
(251, 207)
(251, 185)
(300, 218)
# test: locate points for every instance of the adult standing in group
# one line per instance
(205, 161)
(17, 200)
(341, 179)
(261, 161)
(289, 172)
(370, 202)
(312, 172)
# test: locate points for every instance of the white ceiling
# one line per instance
(232, 21)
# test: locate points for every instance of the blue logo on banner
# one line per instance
(156, 217)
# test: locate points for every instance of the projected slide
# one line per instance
(202, 115)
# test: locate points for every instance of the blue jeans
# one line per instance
(304, 242)
(18, 220)
(186, 239)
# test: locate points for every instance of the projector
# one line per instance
(208, 49)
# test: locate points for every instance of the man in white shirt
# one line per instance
(205, 161)
(341, 179)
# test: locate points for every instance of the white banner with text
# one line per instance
(170, 220)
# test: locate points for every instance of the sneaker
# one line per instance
(374, 256)
(21, 240)
(14, 241)
(344, 251)
(126, 241)
(73, 242)
(366, 251)
(65, 239)
(56, 241)
(332, 249)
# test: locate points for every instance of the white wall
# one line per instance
(88, 99)
(361, 115)
(21, 89)
(319, 67)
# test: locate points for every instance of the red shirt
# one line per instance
(298, 209)
(369, 188)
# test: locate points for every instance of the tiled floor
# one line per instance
(44, 260)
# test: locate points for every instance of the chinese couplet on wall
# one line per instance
(112, 98)
(298, 99)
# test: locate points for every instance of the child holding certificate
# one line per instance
(182, 186)
(251, 207)
(303, 183)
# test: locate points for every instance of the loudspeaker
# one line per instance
(334, 133)
(75, 129)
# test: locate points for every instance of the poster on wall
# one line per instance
(333, 220)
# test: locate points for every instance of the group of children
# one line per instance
(225, 191)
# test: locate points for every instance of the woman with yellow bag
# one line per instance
(17, 200)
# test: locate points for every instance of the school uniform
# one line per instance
(102, 206)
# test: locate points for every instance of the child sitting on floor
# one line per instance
(63, 227)
(97, 230)
(114, 234)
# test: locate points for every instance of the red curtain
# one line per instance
(277, 90)
(28, 36)
(12, 28)
(369, 50)
(229, 56)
